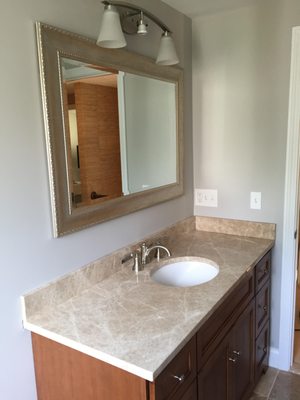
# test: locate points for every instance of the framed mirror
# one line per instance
(113, 123)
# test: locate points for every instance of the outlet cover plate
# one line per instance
(206, 197)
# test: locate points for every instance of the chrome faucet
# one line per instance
(145, 251)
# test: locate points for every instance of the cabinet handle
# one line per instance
(180, 378)
(236, 352)
(232, 359)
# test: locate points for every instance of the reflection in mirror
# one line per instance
(113, 125)
(122, 130)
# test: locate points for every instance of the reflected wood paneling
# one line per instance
(98, 139)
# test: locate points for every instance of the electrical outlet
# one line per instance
(255, 200)
(206, 197)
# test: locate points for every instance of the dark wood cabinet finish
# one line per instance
(262, 271)
(262, 317)
(228, 374)
(262, 307)
(190, 393)
(262, 351)
(241, 353)
(233, 345)
(221, 321)
(223, 361)
(179, 373)
(213, 376)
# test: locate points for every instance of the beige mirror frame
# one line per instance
(54, 43)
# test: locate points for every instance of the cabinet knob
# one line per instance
(265, 349)
(180, 378)
(232, 359)
(236, 352)
(265, 307)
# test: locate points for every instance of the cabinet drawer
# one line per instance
(263, 269)
(189, 394)
(262, 351)
(178, 374)
(262, 307)
(216, 327)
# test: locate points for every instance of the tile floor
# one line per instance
(277, 385)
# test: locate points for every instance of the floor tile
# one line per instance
(295, 368)
(286, 387)
(266, 382)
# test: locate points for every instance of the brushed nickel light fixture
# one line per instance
(120, 17)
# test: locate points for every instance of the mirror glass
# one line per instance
(113, 127)
(122, 129)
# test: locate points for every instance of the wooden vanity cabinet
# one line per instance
(262, 323)
(223, 361)
(175, 379)
(228, 373)
(233, 345)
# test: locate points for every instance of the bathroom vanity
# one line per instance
(128, 337)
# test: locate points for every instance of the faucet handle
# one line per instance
(136, 261)
(143, 247)
(127, 258)
(136, 264)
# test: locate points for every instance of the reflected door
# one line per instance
(98, 140)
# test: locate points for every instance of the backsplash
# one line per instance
(260, 230)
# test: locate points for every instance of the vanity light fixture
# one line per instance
(120, 17)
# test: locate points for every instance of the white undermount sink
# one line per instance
(185, 273)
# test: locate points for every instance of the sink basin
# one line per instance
(185, 273)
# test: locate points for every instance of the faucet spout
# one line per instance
(147, 250)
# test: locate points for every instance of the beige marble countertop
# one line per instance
(138, 325)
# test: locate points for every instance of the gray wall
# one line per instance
(29, 255)
(241, 62)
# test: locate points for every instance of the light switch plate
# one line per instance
(206, 197)
(255, 200)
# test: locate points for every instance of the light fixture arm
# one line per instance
(146, 13)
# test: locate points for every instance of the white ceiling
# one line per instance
(194, 8)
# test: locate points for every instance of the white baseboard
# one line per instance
(276, 360)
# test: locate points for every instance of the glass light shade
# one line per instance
(111, 35)
(142, 27)
(167, 53)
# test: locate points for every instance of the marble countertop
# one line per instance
(138, 325)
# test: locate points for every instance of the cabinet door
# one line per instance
(241, 355)
(189, 394)
(262, 352)
(262, 307)
(178, 375)
(213, 376)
